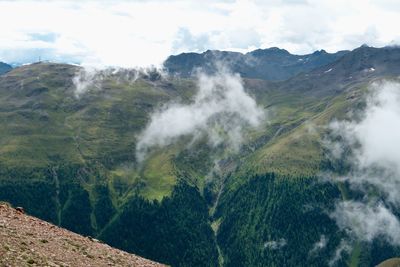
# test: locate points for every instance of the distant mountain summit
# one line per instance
(70, 160)
(269, 64)
(4, 68)
(361, 64)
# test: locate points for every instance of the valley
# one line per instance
(71, 159)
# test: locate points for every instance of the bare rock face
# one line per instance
(28, 241)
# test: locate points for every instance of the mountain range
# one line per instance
(4, 68)
(272, 64)
(69, 141)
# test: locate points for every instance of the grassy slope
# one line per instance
(44, 127)
(43, 124)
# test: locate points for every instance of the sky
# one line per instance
(143, 33)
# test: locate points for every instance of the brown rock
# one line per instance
(20, 209)
(50, 245)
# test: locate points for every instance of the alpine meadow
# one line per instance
(216, 134)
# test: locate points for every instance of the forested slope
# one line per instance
(70, 159)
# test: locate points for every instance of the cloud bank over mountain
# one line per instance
(221, 111)
(369, 145)
(141, 33)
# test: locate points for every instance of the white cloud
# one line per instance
(344, 247)
(369, 145)
(85, 78)
(368, 221)
(91, 79)
(137, 33)
(221, 110)
(373, 140)
(319, 245)
(275, 244)
(379, 130)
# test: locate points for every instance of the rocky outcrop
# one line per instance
(26, 240)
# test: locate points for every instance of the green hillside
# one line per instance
(71, 160)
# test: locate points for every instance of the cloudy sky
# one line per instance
(138, 33)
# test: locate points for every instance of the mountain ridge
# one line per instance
(4, 67)
(362, 64)
(64, 155)
(273, 63)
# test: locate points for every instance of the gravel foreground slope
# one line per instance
(28, 241)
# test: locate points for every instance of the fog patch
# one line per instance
(221, 111)
(344, 247)
(321, 244)
(275, 244)
(368, 149)
(367, 221)
(85, 78)
(91, 79)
